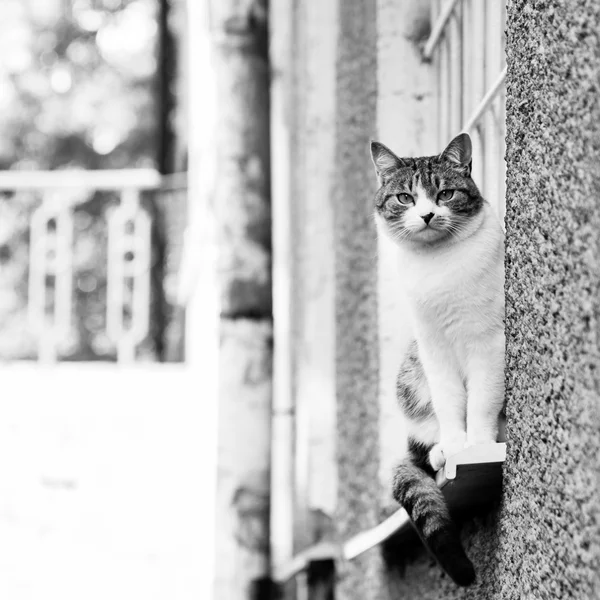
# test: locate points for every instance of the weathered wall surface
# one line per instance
(544, 542)
(242, 515)
(239, 215)
(356, 298)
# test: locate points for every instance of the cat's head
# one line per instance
(429, 199)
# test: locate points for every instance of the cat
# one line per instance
(450, 249)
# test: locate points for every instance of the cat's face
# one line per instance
(426, 200)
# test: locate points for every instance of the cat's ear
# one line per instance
(459, 151)
(385, 161)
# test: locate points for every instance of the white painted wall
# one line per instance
(304, 46)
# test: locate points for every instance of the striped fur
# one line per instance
(414, 488)
(412, 389)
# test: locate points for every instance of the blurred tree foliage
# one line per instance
(78, 90)
(78, 85)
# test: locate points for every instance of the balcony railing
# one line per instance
(466, 46)
(57, 197)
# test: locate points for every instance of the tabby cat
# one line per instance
(450, 250)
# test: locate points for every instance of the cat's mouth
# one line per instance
(430, 230)
(429, 234)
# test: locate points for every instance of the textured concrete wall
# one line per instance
(544, 541)
(551, 544)
(356, 298)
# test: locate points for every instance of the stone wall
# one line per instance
(551, 534)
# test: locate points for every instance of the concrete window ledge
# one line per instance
(469, 479)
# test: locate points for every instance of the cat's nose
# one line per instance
(427, 217)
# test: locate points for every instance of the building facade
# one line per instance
(354, 71)
(342, 74)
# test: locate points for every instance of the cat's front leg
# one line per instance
(485, 391)
(449, 402)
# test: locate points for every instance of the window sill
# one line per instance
(469, 479)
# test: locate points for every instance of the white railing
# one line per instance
(466, 46)
(51, 239)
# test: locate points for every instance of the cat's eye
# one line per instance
(405, 198)
(445, 194)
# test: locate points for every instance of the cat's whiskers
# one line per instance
(398, 231)
(403, 235)
(453, 225)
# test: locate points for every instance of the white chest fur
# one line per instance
(455, 291)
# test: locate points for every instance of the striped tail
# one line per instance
(416, 491)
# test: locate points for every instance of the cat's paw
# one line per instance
(446, 448)
(436, 457)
